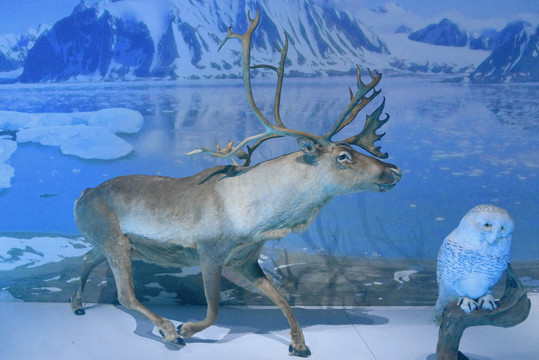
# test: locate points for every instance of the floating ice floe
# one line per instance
(403, 275)
(7, 148)
(87, 142)
(88, 135)
(116, 120)
(38, 251)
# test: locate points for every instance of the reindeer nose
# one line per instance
(395, 171)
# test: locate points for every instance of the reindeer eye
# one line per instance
(344, 156)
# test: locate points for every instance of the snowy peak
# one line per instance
(391, 18)
(517, 59)
(169, 39)
(445, 33)
(449, 33)
(86, 43)
(14, 48)
(511, 30)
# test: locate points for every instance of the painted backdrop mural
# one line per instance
(124, 87)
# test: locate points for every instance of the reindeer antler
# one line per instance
(368, 136)
(358, 101)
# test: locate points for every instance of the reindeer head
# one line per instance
(347, 168)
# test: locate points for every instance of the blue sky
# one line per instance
(17, 16)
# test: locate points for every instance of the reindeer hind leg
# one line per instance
(93, 258)
(104, 230)
(118, 254)
(255, 275)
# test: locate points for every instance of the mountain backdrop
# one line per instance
(169, 39)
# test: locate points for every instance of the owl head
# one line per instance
(487, 225)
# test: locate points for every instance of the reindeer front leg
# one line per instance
(211, 276)
(255, 275)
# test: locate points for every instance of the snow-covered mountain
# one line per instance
(491, 39)
(393, 24)
(449, 33)
(14, 48)
(456, 44)
(169, 39)
(517, 59)
(445, 33)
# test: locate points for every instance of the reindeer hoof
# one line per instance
(300, 353)
(178, 341)
(79, 312)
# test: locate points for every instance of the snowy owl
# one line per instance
(473, 258)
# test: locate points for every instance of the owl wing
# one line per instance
(453, 262)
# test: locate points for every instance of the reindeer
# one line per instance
(222, 216)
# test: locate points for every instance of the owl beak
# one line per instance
(496, 238)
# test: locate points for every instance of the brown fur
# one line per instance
(219, 217)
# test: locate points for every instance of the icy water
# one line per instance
(457, 144)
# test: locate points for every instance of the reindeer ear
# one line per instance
(308, 146)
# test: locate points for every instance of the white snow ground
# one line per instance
(51, 331)
(38, 250)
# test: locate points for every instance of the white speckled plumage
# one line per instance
(472, 259)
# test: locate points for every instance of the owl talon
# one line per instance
(487, 302)
(466, 304)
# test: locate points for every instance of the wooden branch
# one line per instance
(513, 308)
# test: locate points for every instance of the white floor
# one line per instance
(51, 331)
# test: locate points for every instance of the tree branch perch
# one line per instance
(513, 308)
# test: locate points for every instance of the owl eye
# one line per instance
(502, 228)
(487, 226)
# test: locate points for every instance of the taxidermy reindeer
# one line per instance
(223, 216)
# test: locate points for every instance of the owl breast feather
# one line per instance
(456, 263)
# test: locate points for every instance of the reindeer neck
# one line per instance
(282, 194)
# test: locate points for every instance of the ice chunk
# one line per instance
(7, 147)
(403, 275)
(6, 173)
(12, 120)
(117, 120)
(87, 142)
(89, 135)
